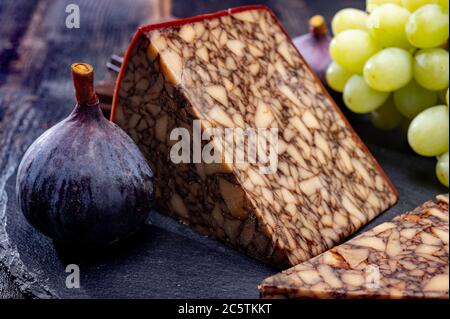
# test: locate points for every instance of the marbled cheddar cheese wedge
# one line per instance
(239, 69)
(404, 258)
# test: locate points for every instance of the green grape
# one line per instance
(386, 117)
(387, 26)
(352, 48)
(442, 96)
(447, 97)
(349, 18)
(389, 70)
(337, 77)
(431, 68)
(413, 99)
(373, 4)
(413, 5)
(443, 4)
(360, 98)
(442, 169)
(428, 132)
(428, 27)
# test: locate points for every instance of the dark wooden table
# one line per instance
(36, 50)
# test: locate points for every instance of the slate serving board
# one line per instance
(167, 259)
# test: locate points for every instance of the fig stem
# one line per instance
(83, 82)
(318, 26)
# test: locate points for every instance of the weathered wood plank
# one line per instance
(49, 47)
(37, 92)
(14, 17)
(20, 126)
(8, 289)
(35, 82)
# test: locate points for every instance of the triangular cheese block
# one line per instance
(238, 69)
(404, 258)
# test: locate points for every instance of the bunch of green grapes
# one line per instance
(392, 62)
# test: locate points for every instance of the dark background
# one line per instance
(169, 260)
(294, 14)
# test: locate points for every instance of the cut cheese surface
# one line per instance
(404, 258)
(239, 69)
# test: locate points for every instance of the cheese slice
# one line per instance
(238, 69)
(404, 258)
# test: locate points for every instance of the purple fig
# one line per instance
(314, 46)
(84, 181)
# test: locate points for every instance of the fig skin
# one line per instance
(314, 46)
(84, 181)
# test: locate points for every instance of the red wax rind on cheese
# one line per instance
(238, 68)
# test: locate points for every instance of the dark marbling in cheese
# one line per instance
(404, 258)
(238, 68)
